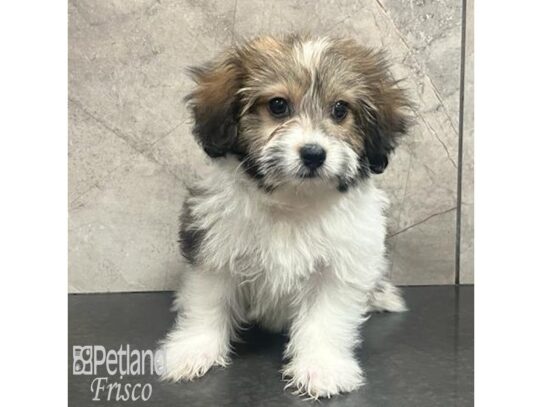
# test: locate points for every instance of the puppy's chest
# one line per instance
(287, 247)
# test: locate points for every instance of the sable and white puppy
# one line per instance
(288, 230)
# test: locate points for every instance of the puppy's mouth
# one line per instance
(307, 174)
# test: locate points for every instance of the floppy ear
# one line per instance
(215, 106)
(388, 121)
(385, 106)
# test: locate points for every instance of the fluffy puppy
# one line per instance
(288, 229)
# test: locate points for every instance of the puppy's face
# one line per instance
(300, 110)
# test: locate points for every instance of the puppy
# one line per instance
(288, 229)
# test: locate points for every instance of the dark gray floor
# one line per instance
(420, 358)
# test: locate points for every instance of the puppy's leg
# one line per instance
(204, 327)
(386, 297)
(322, 340)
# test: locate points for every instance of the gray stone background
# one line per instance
(131, 151)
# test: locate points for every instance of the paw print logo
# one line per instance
(82, 360)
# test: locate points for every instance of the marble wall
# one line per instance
(131, 151)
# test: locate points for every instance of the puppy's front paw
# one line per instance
(188, 359)
(317, 378)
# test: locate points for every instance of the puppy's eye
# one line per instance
(339, 110)
(279, 107)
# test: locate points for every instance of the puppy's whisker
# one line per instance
(247, 158)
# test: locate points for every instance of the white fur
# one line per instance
(308, 53)
(305, 258)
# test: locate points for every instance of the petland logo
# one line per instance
(106, 365)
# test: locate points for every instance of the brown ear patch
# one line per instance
(215, 106)
(390, 122)
(384, 107)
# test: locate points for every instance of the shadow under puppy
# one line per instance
(288, 229)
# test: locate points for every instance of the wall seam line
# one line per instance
(457, 279)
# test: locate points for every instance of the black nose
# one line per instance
(313, 155)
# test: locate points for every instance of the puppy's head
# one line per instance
(300, 110)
